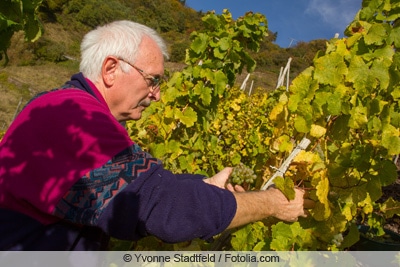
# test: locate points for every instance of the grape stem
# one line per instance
(304, 143)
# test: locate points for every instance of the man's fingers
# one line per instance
(239, 188)
(236, 188)
(307, 203)
(230, 187)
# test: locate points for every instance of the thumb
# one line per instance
(221, 177)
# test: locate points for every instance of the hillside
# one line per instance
(50, 61)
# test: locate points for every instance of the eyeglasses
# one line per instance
(154, 81)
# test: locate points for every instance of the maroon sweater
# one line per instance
(70, 177)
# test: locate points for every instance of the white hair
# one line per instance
(119, 39)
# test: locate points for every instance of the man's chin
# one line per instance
(136, 114)
(137, 117)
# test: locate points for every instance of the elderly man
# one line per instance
(70, 176)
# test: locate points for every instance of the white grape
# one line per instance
(241, 173)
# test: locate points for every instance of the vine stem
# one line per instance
(304, 143)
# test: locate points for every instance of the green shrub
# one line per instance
(49, 50)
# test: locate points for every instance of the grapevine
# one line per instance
(346, 103)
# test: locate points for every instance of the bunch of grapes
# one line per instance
(337, 239)
(242, 174)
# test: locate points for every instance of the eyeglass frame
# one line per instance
(155, 82)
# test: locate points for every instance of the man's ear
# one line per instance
(108, 70)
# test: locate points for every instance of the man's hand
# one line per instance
(289, 210)
(220, 180)
(257, 205)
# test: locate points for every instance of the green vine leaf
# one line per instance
(359, 117)
(301, 124)
(249, 237)
(358, 73)
(286, 186)
(387, 172)
(200, 43)
(391, 207)
(394, 37)
(351, 238)
(188, 117)
(376, 35)
(334, 101)
(330, 69)
(286, 237)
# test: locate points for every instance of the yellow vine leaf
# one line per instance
(235, 106)
(279, 109)
(366, 205)
(312, 159)
(322, 210)
(317, 131)
(282, 144)
(276, 111)
(391, 139)
(348, 211)
(306, 156)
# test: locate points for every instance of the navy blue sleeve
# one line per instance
(169, 207)
(190, 176)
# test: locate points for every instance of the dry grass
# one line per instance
(20, 83)
(41, 77)
(11, 95)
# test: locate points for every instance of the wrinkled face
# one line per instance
(132, 92)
